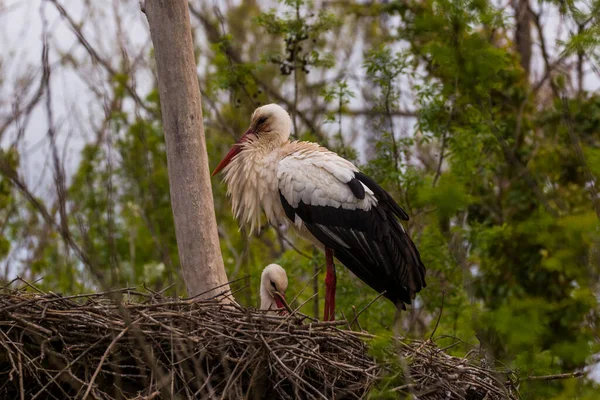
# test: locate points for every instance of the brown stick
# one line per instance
(567, 375)
(21, 386)
(106, 353)
(187, 161)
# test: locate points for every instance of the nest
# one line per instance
(435, 375)
(130, 345)
(96, 346)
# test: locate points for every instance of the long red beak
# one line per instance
(279, 297)
(232, 152)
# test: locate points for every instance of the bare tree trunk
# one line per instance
(189, 178)
(523, 32)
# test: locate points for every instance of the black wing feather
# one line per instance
(358, 190)
(382, 195)
(372, 244)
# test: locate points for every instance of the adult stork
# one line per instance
(326, 199)
(273, 284)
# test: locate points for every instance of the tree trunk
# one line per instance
(523, 32)
(191, 193)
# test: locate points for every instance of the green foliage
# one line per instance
(301, 30)
(585, 41)
(9, 162)
(448, 197)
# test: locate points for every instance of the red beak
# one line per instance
(232, 152)
(279, 297)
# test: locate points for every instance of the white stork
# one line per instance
(327, 200)
(273, 284)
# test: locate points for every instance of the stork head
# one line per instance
(270, 127)
(273, 284)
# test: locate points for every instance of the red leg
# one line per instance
(330, 282)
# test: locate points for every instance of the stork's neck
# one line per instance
(259, 152)
(261, 149)
(266, 300)
(251, 179)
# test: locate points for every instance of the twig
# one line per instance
(567, 375)
(68, 366)
(316, 392)
(76, 29)
(439, 316)
(106, 353)
(305, 286)
(365, 307)
(21, 386)
(285, 304)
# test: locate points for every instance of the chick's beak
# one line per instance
(280, 300)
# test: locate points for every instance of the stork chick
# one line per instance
(327, 200)
(273, 284)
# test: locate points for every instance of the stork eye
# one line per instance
(273, 284)
(261, 121)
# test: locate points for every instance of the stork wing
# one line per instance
(349, 213)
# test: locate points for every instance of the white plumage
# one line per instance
(319, 177)
(301, 171)
(326, 199)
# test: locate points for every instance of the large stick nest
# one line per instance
(130, 345)
(95, 346)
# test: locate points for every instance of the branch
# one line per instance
(369, 112)
(27, 109)
(59, 176)
(567, 375)
(549, 66)
(95, 57)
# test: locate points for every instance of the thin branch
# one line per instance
(365, 307)
(292, 245)
(305, 286)
(18, 112)
(439, 316)
(567, 375)
(549, 66)
(76, 29)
